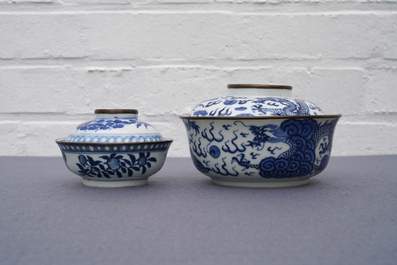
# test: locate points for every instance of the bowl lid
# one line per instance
(115, 126)
(255, 100)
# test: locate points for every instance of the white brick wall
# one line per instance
(61, 60)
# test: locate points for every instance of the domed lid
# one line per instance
(115, 126)
(255, 100)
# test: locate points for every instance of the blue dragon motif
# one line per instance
(266, 106)
(226, 172)
(266, 133)
(297, 147)
(226, 147)
(211, 137)
(192, 125)
(302, 136)
(298, 163)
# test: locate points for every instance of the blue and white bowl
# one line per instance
(114, 150)
(259, 136)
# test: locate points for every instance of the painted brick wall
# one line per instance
(61, 60)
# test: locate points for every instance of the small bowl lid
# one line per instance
(115, 126)
(255, 100)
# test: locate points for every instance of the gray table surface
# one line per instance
(345, 215)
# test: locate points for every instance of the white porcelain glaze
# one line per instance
(114, 150)
(261, 101)
(115, 127)
(280, 142)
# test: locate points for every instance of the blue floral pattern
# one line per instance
(108, 124)
(114, 165)
(293, 148)
(99, 148)
(115, 130)
(243, 106)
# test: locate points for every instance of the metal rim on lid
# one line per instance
(187, 117)
(232, 86)
(116, 111)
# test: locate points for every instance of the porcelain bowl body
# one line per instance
(260, 151)
(114, 164)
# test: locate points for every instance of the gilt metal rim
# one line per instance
(258, 86)
(186, 117)
(116, 111)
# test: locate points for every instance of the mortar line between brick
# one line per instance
(206, 12)
(129, 63)
(110, 68)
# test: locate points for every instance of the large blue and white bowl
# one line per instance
(114, 150)
(245, 140)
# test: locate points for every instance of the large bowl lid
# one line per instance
(255, 100)
(115, 126)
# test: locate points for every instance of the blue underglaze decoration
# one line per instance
(235, 147)
(240, 108)
(117, 138)
(200, 113)
(254, 155)
(214, 151)
(267, 106)
(114, 165)
(109, 124)
(192, 125)
(230, 102)
(224, 112)
(199, 165)
(212, 102)
(244, 114)
(294, 148)
(211, 137)
(226, 126)
(120, 148)
(223, 170)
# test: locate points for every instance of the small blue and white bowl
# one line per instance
(114, 150)
(259, 136)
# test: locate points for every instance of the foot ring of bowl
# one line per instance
(269, 184)
(115, 184)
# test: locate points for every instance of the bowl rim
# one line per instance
(63, 141)
(187, 117)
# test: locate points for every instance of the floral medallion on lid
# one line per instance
(115, 126)
(114, 150)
